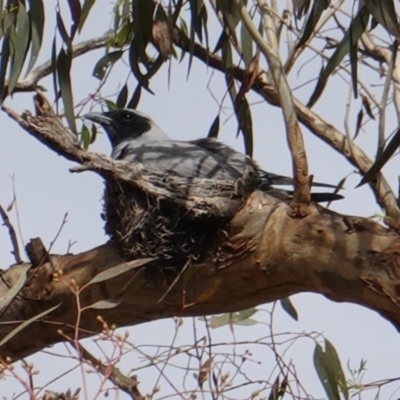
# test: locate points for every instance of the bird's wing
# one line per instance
(181, 158)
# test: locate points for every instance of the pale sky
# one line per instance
(185, 109)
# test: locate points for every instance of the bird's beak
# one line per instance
(99, 118)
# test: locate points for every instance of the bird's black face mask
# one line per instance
(121, 125)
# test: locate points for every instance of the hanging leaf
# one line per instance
(245, 122)
(6, 22)
(122, 97)
(63, 31)
(134, 101)
(300, 7)
(37, 18)
(64, 61)
(246, 43)
(76, 10)
(19, 41)
(356, 29)
(87, 6)
(367, 106)
(106, 62)
(315, 14)
(85, 136)
(288, 306)
(230, 318)
(360, 116)
(5, 55)
(385, 13)
(214, 128)
(329, 371)
(383, 158)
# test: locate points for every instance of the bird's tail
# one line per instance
(274, 179)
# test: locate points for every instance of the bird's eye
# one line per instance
(127, 117)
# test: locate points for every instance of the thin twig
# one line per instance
(13, 236)
(64, 221)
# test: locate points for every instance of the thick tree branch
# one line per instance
(263, 256)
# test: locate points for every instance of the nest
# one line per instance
(143, 226)
(144, 222)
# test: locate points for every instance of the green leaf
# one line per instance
(335, 368)
(385, 13)
(75, 9)
(110, 104)
(134, 101)
(247, 43)
(19, 43)
(214, 128)
(5, 55)
(63, 31)
(25, 324)
(54, 67)
(85, 136)
(87, 6)
(37, 17)
(122, 97)
(7, 20)
(287, 305)
(7, 298)
(315, 14)
(64, 61)
(119, 270)
(243, 115)
(356, 29)
(105, 62)
(382, 159)
(300, 7)
(135, 68)
(232, 318)
(320, 364)
(330, 372)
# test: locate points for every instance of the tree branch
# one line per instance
(262, 256)
(30, 83)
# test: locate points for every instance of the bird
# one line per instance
(135, 137)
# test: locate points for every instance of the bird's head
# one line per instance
(123, 124)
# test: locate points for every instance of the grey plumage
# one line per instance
(136, 137)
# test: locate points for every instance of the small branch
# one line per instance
(128, 385)
(13, 236)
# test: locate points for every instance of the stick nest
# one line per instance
(143, 225)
